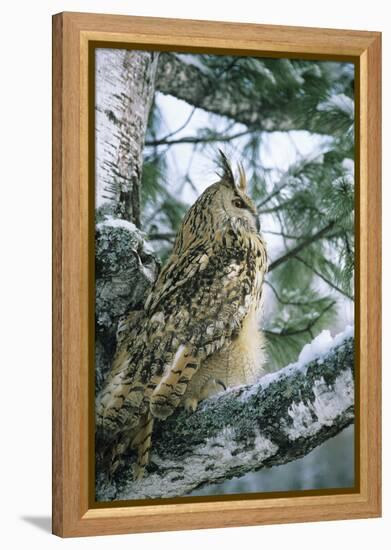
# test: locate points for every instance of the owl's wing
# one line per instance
(121, 382)
(210, 296)
(193, 311)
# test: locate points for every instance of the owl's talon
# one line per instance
(191, 404)
(138, 472)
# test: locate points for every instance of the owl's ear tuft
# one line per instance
(242, 178)
(225, 170)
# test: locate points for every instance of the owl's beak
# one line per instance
(258, 224)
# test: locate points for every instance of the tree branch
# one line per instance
(321, 276)
(302, 330)
(218, 94)
(196, 139)
(271, 195)
(286, 302)
(281, 418)
(182, 127)
(289, 178)
(294, 251)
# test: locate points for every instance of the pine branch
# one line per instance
(302, 330)
(306, 242)
(288, 179)
(277, 207)
(222, 95)
(282, 418)
(321, 276)
(271, 195)
(196, 140)
(289, 302)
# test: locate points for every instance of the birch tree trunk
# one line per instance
(125, 86)
(124, 264)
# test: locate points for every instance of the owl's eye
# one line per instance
(238, 203)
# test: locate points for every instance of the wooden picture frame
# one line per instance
(74, 514)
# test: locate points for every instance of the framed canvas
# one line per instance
(216, 274)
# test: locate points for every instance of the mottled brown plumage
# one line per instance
(198, 333)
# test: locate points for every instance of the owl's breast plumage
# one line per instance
(241, 359)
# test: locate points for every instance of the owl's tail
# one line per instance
(168, 393)
(142, 442)
(139, 439)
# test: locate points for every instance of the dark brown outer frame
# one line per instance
(73, 514)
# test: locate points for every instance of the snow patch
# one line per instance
(340, 102)
(322, 344)
(348, 165)
(330, 401)
(194, 60)
(318, 346)
(316, 350)
(210, 460)
(117, 222)
(222, 447)
(131, 228)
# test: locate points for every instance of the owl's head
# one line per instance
(230, 197)
(223, 204)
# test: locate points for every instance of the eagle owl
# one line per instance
(198, 333)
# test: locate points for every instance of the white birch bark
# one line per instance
(125, 85)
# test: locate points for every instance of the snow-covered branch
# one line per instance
(282, 418)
